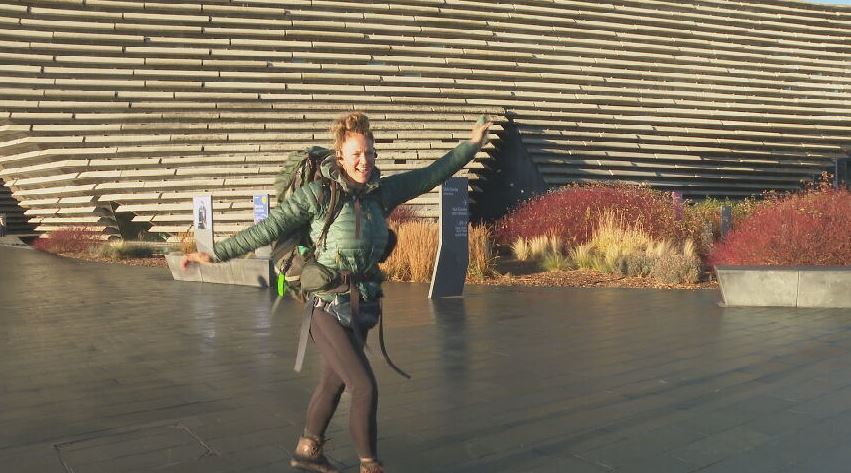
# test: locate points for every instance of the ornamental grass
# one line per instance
(416, 249)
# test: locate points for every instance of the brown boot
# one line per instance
(371, 466)
(308, 456)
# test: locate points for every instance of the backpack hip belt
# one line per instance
(354, 299)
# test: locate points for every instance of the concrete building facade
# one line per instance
(123, 110)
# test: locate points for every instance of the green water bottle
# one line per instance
(282, 285)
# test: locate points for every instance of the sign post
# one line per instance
(202, 218)
(450, 266)
(261, 211)
(678, 204)
(842, 173)
(726, 220)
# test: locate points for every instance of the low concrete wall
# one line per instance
(12, 241)
(785, 286)
(257, 272)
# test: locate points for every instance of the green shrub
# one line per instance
(675, 268)
(705, 217)
(606, 262)
(555, 260)
(123, 251)
(636, 265)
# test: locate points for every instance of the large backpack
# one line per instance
(291, 253)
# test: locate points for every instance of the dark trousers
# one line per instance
(344, 365)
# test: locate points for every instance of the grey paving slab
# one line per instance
(99, 361)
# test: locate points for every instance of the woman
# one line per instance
(352, 246)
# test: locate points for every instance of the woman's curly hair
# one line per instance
(353, 122)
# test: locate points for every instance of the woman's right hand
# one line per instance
(480, 130)
(190, 258)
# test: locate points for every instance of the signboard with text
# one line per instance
(450, 266)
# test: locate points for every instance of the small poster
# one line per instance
(202, 219)
(261, 212)
(261, 207)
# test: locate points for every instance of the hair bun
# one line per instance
(353, 122)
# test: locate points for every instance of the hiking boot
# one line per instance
(371, 466)
(308, 456)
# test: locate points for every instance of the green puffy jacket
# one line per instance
(342, 250)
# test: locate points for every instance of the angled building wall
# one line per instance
(16, 222)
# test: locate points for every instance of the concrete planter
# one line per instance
(785, 286)
(13, 241)
(257, 272)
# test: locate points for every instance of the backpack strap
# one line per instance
(334, 207)
(304, 334)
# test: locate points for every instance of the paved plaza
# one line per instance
(106, 368)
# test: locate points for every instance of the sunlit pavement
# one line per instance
(110, 368)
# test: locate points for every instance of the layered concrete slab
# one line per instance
(794, 286)
(825, 288)
(251, 271)
(759, 287)
(12, 241)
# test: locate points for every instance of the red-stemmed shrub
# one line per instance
(68, 240)
(809, 228)
(572, 212)
(402, 214)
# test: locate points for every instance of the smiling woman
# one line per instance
(340, 314)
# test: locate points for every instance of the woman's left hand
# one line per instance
(480, 131)
(198, 257)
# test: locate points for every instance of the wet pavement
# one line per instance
(110, 368)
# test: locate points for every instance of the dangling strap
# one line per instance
(381, 343)
(357, 218)
(354, 303)
(304, 335)
(289, 261)
(330, 215)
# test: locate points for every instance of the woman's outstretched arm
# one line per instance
(291, 215)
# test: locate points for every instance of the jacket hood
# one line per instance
(331, 170)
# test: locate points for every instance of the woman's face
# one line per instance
(358, 157)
